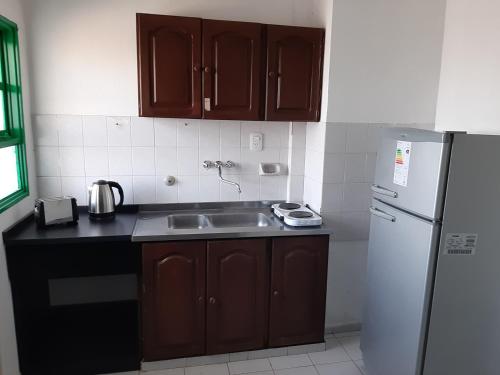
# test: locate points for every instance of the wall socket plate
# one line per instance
(256, 141)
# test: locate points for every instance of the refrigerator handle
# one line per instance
(384, 215)
(381, 190)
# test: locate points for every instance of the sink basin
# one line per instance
(238, 220)
(186, 221)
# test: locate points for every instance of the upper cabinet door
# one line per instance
(232, 60)
(169, 64)
(294, 70)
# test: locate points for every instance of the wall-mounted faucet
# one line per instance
(207, 164)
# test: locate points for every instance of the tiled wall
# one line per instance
(73, 151)
(340, 166)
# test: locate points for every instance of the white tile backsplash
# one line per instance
(120, 161)
(94, 131)
(118, 131)
(140, 152)
(165, 132)
(70, 130)
(45, 130)
(72, 161)
(143, 161)
(142, 131)
(96, 161)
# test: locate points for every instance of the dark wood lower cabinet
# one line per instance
(298, 290)
(221, 296)
(173, 305)
(237, 295)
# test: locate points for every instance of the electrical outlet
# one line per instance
(255, 141)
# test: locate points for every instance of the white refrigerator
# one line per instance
(433, 293)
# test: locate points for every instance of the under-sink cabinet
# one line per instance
(220, 296)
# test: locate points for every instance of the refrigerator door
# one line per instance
(464, 329)
(400, 269)
(411, 170)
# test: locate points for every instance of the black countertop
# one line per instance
(131, 225)
(120, 228)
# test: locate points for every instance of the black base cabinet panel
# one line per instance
(221, 296)
(76, 339)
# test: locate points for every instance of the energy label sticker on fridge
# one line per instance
(460, 243)
(402, 163)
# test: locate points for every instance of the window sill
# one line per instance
(12, 199)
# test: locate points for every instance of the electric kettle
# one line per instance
(102, 200)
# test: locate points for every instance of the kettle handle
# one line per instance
(113, 184)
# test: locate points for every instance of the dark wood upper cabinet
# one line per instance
(298, 290)
(294, 73)
(232, 74)
(169, 66)
(237, 295)
(173, 301)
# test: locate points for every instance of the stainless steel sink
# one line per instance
(239, 220)
(186, 221)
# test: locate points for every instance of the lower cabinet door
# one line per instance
(173, 300)
(237, 295)
(298, 290)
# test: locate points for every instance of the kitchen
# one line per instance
(384, 65)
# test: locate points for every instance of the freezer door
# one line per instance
(400, 268)
(464, 329)
(411, 170)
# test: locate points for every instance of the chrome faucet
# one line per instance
(207, 164)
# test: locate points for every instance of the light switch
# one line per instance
(255, 141)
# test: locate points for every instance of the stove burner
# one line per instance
(289, 206)
(300, 214)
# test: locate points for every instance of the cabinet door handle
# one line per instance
(271, 74)
(207, 69)
(196, 67)
(276, 293)
(212, 300)
(200, 299)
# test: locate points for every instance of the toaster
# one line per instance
(58, 210)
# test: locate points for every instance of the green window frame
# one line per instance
(12, 134)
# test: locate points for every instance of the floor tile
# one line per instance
(334, 352)
(239, 356)
(351, 345)
(173, 371)
(347, 334)
(254, 365)
(361, 366)
(260, 373)
(207, 360)
(290, 361)
(220, 369)
(303, 349)
(267, 353)
(161, 365)
(343, 368)
(297, 371)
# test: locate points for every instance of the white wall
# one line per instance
(13, 10)
(84, 52)
(385, 61)
(469, 91)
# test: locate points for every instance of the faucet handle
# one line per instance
(207, 164)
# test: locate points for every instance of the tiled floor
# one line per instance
(342, 357)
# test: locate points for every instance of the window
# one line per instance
(13, 172)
